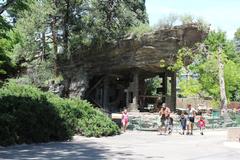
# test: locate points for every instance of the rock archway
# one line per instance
(112, 77)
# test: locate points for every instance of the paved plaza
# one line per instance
(132, 145)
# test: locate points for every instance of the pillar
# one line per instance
(127, 96)
(134, 106)
(164, 86)
(105, 94)
(173, 91)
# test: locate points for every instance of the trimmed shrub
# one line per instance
(88, 121)
(28, 115)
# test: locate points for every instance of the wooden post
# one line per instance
(164, 86)
(105, 94)
(173, 91)
(127, 97)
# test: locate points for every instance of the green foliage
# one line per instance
(5, 61)
(6, 67)
(152, 84)
(190, 87)
(140, 29)
(8, 38)
(205, 65)
(216, 40)
(184, 57)
(28, 115)
(232, 79)
(89, 121)
(189, 19)
(237, 34)
(40, 74)
(172, 20)
(208, 68)
(106, 21)
(186, 19)
(50, 29)
(168, 21)
(31, 27)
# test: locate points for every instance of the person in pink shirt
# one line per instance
(124, 119)
(201, 125)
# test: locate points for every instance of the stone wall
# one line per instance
(76, 82)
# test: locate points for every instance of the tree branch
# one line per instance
(6, 6)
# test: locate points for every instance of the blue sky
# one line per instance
(221, 14)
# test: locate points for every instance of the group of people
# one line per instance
(186, 119)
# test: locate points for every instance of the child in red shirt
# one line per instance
(201, 125)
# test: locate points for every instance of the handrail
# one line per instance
(96, 84)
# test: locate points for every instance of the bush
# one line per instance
(140, 30)
(28, 115)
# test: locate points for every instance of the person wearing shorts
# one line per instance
(183, 123)
(191, 117)
(164, 113)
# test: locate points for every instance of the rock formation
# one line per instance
(144, 54)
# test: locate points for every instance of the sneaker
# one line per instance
(187, 133)
(201, 133)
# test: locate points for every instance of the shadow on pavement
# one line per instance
(59, 150)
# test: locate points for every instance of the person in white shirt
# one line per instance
(191, 117)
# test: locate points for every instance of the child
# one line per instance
(201, 125)
(169, 124)
(183, 122)
(124, 119)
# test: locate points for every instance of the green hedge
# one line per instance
(28, 115)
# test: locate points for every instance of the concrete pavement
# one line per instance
(131, 145)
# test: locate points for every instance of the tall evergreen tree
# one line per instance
(52, 27)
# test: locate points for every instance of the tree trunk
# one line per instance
(43, 52)
(66, 28)
(223, 96)
(55, 43)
